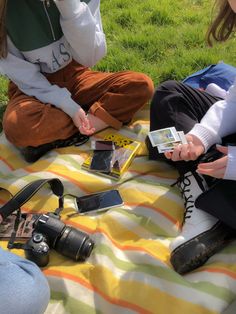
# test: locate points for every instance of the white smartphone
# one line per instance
(98, 201)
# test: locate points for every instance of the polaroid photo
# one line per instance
(169, 147)
(182, 137)
(163, 136)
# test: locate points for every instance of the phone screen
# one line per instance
(102, 145)
(98, 201)
(101, 160)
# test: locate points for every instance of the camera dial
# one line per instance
(37, 249)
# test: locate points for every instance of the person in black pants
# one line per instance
(179, 105)
(206, 120)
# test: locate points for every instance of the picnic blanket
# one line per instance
(129, 269)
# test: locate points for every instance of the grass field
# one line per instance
(163, 38)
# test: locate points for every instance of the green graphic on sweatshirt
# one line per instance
(31, 24)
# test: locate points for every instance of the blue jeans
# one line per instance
(23, 287)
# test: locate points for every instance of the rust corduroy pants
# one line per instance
(113, 97)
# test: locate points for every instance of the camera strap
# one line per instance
(25, 194)
(21, 197)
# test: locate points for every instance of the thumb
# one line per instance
(83, 116)
(82, 113)
(222, 149)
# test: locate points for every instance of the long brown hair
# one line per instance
(3, 35)
(223, 24)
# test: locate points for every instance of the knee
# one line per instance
(21, 124)
(9, 120)
(141, 85)
(164, 89)
(24, 288)
(13, 125)
(165, 98)
(169, 85)
(37, 292)
(147, 87)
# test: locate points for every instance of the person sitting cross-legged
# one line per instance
(55, 98)
(207, 120)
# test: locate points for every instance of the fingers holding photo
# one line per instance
(184, 152)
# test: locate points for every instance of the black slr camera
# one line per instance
(51, 232)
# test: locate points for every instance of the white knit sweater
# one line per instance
(220, 121)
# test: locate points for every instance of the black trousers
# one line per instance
(179, 105)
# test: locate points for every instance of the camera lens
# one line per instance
(74, 244)
(86, 249)
(51, 226)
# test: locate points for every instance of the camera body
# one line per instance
(51, 232)
(37, 249)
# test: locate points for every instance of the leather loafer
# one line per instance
(195, 252)
(32, 154)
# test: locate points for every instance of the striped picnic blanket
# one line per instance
(129, 269)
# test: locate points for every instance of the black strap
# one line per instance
(28, 191)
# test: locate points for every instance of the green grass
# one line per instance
(162, 38)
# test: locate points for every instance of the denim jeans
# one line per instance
(23, 287)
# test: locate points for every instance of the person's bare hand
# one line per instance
(215, 168)
(82, 122)
(190, 151)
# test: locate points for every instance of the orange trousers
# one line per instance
(113, 97)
